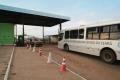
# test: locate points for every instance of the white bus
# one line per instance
(99, 39)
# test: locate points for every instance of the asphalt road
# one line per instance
(5, 52)
(90, 67)
(28, 65)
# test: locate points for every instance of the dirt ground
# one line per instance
(5, 52)
(90, 67)
(28, 65)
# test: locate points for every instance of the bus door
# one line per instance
(61, 41)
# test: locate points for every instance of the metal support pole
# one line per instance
(23, 35)
(16, 34)
(60, 26)
(43, 35)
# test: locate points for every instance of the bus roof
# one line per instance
(105, 23)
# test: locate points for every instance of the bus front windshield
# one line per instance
(60, 36)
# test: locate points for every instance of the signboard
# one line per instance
(6, 34)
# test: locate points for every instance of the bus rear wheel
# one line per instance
(108, 56)
(66, 47)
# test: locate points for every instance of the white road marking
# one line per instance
(9, 65)
(68, 69)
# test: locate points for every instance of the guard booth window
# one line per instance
(67, 34)
(74, 34)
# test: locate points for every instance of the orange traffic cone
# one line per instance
(33, 49)
(64, 59)
(63, 67)
(27, 46)
(40, 52)
(30, 47)
(49, 58)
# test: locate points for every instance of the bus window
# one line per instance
(115, 32)
(104, 32)
(66, 34)
(74, 34)
(89, 33)
(93, 33)
(60, 36)
(105, 29)
(81, 33)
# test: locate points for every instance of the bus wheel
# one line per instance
(66, 47)
(108, 56)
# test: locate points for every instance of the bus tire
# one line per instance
(66, 47)
(108, 56)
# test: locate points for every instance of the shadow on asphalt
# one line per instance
(117, 62)
(92, 57)
(85, 55)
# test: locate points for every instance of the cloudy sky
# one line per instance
(80, 12)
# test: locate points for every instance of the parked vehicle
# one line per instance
(101, 39)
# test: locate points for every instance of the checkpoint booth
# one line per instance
(10, 16)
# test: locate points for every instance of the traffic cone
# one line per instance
(40, 52)
(30, 47)
(49, 58)
(33, 49)
(64, 60)
(27, 46)
(63, 67)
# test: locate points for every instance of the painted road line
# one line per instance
(9, 65)
(68, 69)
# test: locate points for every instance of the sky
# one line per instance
(81, 12)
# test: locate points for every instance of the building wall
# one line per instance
(6, 34)
(53, 39)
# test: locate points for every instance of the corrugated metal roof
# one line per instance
(16, 15)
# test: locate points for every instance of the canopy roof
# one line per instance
(15, 15)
